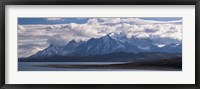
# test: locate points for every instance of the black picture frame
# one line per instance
(99, 2)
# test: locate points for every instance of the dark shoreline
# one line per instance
(165, 65)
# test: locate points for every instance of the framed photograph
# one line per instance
(100, 44)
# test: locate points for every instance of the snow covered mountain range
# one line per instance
(109, 44)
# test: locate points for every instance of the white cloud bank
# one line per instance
(54, 19)
(33, 38)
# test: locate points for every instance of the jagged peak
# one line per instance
(51, 45)
(72, 41)
(107, 36)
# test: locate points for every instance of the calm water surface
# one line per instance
(30, 66)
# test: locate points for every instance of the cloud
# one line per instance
(150, 30)
(61, 34)
(92, 22)
(26, 50)
(58, 40)
(19, 27)
(54, 19)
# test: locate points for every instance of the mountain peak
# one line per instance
(106, 37)
(51, 45)
(72, 41)
(108, 44)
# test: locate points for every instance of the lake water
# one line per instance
(31, 66)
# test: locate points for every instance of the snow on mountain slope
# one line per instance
(108, 44)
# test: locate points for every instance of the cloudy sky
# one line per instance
(35, 34)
